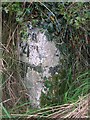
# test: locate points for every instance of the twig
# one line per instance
(11, 37)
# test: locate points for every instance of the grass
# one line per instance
(82, 84)
(75, 95)
(7, 114)
(78, 109)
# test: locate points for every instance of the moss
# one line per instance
(55, 87)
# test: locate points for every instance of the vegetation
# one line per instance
(68, 25)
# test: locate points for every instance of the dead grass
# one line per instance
(79, 109)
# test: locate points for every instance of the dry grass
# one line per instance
(79, 109)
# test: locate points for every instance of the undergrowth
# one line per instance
(68, 26)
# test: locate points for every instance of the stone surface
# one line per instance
(43, 60)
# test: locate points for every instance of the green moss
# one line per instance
(54, 89)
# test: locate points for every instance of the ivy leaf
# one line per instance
(28, 10)
(19, 19)
(6, 10)
(19, 13)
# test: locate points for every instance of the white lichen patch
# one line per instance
(43, 54)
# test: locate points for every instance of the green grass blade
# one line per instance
(5, 111)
